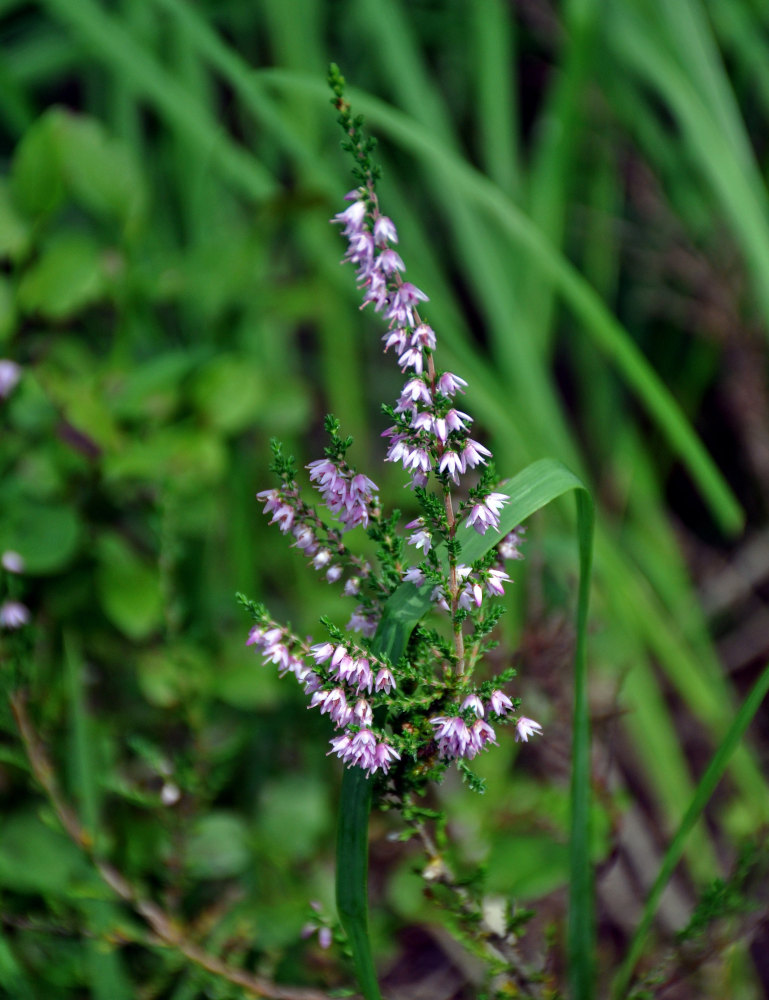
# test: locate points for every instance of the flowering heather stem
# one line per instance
(405, 715)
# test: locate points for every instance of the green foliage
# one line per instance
(584, 198)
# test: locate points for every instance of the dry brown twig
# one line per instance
(167, 932)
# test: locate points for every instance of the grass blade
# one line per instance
(352, 874)
(702, 795)
(605, 330)
(111, 42)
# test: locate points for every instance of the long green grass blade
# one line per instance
(605, 330)
(352, 875)
(110, 41)
(533, 488)
(702, 795)
(493, 37)
(734, 179)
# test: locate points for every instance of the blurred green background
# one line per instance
(580, 187)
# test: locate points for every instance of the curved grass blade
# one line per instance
(533, 488)
(700, 799)
(605, 330)
(352, 875)
(110, 41)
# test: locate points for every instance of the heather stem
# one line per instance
(451, 521)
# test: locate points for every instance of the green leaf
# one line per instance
(15, 233)
(45, 535)
(68, 276)
(184, 457)
(533, 488)
(129, 590)
(36, 859)
(152, 389)
(36, 182)
(230, 393)
(218, 846)
(7, 306)
(293, 814)
(99, 171)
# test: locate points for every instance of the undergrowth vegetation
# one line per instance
(581, 186)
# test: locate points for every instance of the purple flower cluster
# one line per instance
(456, 738)
(431, 435)
(349, 497)
(359, 746)
(337, 682)
(473, 585)
(323, 546)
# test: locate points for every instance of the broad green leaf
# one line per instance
(36, 859)
(68, 276)
(47, 536)
(185, 457)
(129, 590)
(230, 393)
(293, 814)
(36, 182)
(99, 171)
(218, 846)
(153, 389)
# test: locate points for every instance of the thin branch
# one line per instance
(166, 930)
(498, 947)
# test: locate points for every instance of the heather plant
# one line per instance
(584, 200)
(403, 683)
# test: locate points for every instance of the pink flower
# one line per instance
(13, 614)
(423, 336)
(362, 713)
(402, 304)
(412, 358)
(12, 562)
(421, 538)
(524, 728)
(384, 231)
(499, 703)
(451, 735)
(389, 261)
(10, 373)
(481, 733)
(473, 453)
(452, 464)
(384, 755)
(508, 547)
(417, 391)
(396, 338)
(384, 680)
(352, 218)
(414, 575)
(494, 580)
(485, 515)
(321, 651)
(473, 702)
(449, 384)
